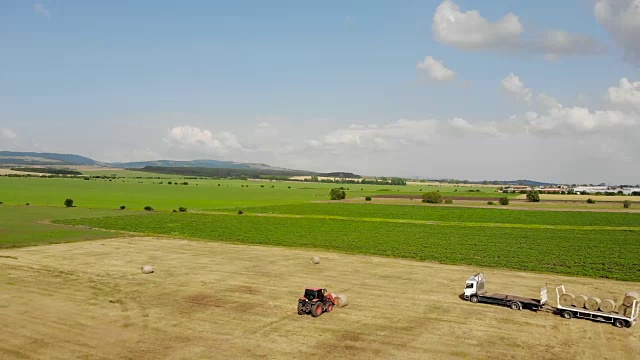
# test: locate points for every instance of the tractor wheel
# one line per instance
(301, 310)
(329, 306)
(316, 309)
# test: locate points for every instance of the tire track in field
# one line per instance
(430, 222)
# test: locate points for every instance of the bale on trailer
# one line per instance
(607, 305)
(341, 300)
(592, 304)
(625, 310)
(630, 297)
(566, 299)
(147, 269)
(579, 301)
(315, 260)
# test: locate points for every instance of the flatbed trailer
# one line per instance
(475, 292)
(616, 319)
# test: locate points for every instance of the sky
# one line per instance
(503, 89)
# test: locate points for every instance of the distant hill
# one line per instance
(34, 158)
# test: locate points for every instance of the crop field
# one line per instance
(89, 300)
(453, 214)
(136, 193)
(583, 252)
(26, 225)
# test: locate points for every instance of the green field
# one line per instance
(26, 225)
(454, 214)
(610, 254)
(595, 244)
(137, 193)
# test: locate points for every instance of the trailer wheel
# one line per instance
(516, 305)
(620, 323)
(567, 314)
(473, 299)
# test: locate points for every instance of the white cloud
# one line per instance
(8, 134)
(394, 135)
(193, 138)
(626, 93)
(621, 18)
(555, 43)
(570, 119)
(40, 9)
(514, 85)
(436, 70)
(468, 30)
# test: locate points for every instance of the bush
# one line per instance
(533, 196)
(182, 209)
(448, 201)
(504, 201)
(68, 203)
(122, 207)
(148, 208)
(337, 194)
(174, 210)
(432, 197)
(288, 187)
(626, 204)
(240, 212)
(368, 198)
(27, 204)
(170, 183)
(590, 201)
(218, 184)
(490, 203)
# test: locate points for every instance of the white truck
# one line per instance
(475, 292)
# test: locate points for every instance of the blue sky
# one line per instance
(282, 82)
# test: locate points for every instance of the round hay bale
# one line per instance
(579, 301)
(607, 305)
(566, 300)
(341, 300)
(315, 260)
(592, 304)
(626, 310)
(630, 297)
(147, 269)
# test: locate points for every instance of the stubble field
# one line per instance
(215, 300)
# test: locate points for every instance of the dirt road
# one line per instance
(214, 300)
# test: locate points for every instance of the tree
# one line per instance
(148, 208)
(432, 197)
(182, 209)
(122, 207)
(504, 201)
(337, 194)
(68, 203)
(626, 204)
(591, 201)
(533, 196)
(368, 198)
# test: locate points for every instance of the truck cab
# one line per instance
(474, 286)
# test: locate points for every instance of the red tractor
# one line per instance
(315, 301)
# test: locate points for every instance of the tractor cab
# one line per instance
(311, 294)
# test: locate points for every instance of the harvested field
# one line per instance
(89, 300)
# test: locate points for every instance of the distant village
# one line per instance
(578, 190)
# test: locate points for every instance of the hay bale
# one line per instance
(607, 305)
(147, 269)
(315, 260)
(625, 310)
(566, 300)
(579, 301)
(341, 300)
(630, 297)
(592, 303)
